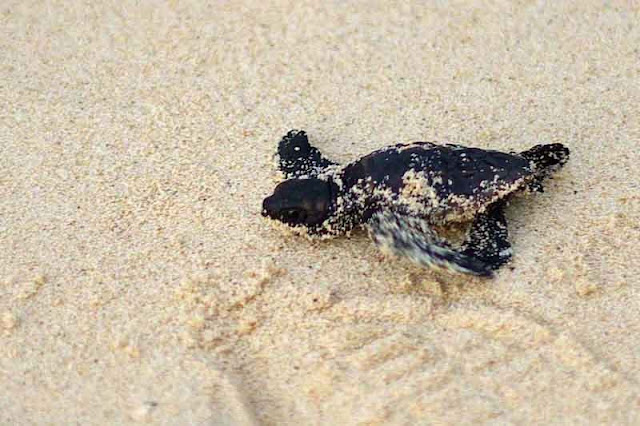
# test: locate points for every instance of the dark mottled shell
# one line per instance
(462, 180)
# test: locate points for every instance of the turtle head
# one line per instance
(300, 202)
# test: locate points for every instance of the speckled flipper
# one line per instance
(412, 237)
(488, 238)
(297, 158)
(545, 159)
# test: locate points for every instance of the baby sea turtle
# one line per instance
(400, 193)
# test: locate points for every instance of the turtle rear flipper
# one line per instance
(411, 237)
(545, 159)
(297, 158)
(488, 238)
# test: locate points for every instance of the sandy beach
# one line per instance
(140, 284)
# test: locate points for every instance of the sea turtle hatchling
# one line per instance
(402, 193)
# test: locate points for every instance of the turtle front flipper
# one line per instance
(411, 237)
(488, 238)
(297, 158)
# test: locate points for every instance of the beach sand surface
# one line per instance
(139, 283)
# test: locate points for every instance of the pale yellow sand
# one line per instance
(138, 282)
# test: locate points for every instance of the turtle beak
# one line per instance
(268, 207)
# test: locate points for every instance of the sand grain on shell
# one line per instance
(139, 284)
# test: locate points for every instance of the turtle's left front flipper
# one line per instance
(488, 238)
(297, 158)
(411, 237)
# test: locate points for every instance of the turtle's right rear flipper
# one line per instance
(488, 238)
(545, 159)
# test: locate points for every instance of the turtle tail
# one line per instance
(545, 159)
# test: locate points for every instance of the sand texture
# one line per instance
(139, 283)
